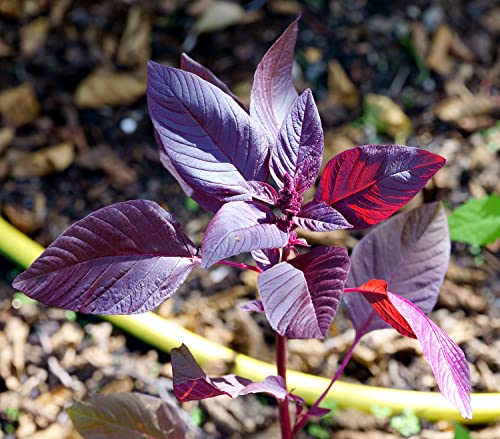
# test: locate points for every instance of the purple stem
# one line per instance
(303, 418)
(240, 265)
(284, 412)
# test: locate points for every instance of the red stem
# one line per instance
(303, 418)
(240, 265)
(284, 412)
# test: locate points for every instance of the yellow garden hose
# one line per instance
(165, 335)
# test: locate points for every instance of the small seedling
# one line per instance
(251, 168)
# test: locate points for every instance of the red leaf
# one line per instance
(369, 183)
(375, 291)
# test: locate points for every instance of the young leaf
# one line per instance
(127, 416)
(273, 92)
(123, 259)
(477, 221)
(192, 384)
(367, 184)
(445, 358)
(299, 148)
(240, 227)
(411, 251)
(214, 146)
(190, 65)
(317, 216)
(266, 258)
(375, 291)
(301, 296)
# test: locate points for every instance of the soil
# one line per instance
(75, 136)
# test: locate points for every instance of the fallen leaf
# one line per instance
(104, 88)
(340, 87)
(454, 109)
(19, 105)
(135, 44)
(284, 7)
(27, 220)
(5, 49)
(34, 35)
(219, 16)
(45, 161)
(103, 157)
(388, 117)
(58, 10)
(12, 8)
(420, 38)
(438, 58)
(491, 20)
(460, 49)
(6, 136)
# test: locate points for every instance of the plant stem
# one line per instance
(284, 412)
(240, 265)
(303, 418)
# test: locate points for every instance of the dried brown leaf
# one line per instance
(19, 105)
(104, 88)
(34, 35)
(135, 44)
(6, 136)
(104, 158)
(420, 38)
(284, 7)
(45, 161)
(12, 8)
(388, 116)
(438, 59)
(456, 108)
(5, 49)
(340, 87)
(491, 20)
(218, 16)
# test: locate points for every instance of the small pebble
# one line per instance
(128, 125)
(429, 84)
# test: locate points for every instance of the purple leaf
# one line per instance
(266, 258)
(240, 227)
(253, 306)
(411, 251)
(272, 385)
(123, 259)
(127, 416)
(301, 296)
(261, 191)
(299, 148)
(367, 184)
(190, 65)
(445, 358)
(273, 92)
(317, 216)
(192, 384)
(212, 144)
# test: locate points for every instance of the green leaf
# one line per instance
(477, 221)
(407, 423)
(460, 431)
(127, 416)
